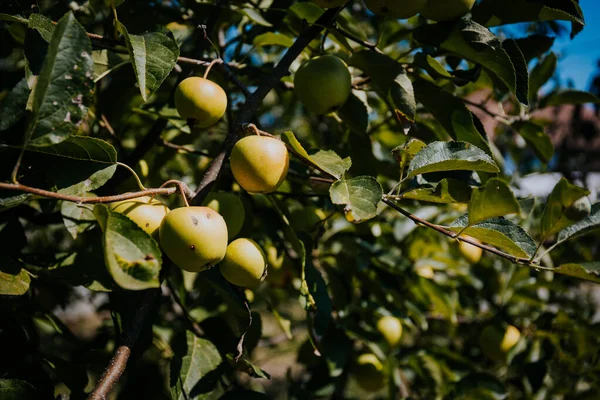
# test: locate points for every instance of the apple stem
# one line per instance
(213, 62)
(184, 190)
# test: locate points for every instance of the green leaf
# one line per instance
(407, 151)
(77, 218)
(14, 280)
(479, 386)
(360, 196)
(541, 73)
(326, 160)
(440, 300)
(86, 164)
(354, 114)
(589, 224)
(132, 257)
(194, 369)
(43, 25)
(494, 199)
(14, 104)
(16, 389)
(590, 271)
(319, 315)
(495, 13)
(451, 156)
(558, 98)
(105, 62)
(520, 64)
(451, 113)
(445, 192)
(82, 148)
(64, 86)
(153, 56)
(307, 11)
(13, 18)
(255, 16)
(500, 233)
(389, 79)
(473, 42)
(535, 136)
(563, 195)
(249, 368)
(272, 39)
(432, 66)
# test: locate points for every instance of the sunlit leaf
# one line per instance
(153, 56)
(194, 369)
(359, 196)
(500, 233)
(326, 160)
(132, 257)
(451, 156)
(562, 197)
(445, 192)
(494, 199)
(64, 87)
(590, 271)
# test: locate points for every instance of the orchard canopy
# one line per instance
(280, 199)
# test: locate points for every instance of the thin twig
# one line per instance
(91, 200)
(170, 145)
(454, 235)
(498, 117)
(191, 322)
(348, 35)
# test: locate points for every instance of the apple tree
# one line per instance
(291, 199)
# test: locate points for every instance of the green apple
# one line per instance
(444, 10)
(201, 100)
(396, 9)
(368, 372)
(145, 213)
(194, 237)
(496, 342)
(330, 3)
(579, 209)
(391, 329)
(323, 84)
(230, 207)
(471, 253)
(259, 163)
(307, 219)
(244, 264)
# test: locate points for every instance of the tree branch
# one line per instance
(454, 235)
(89, 200)
(127, 339)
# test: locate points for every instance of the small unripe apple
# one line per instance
(330, 3)
(307, 219)
(444, 10)
(471, 253)
(230, 207)
(244, 264)
(194, 237)
(201, 100)
(259, 163)
(496, 342)
(579, 209)
(145, 213)
(368, 372)
(391, 329)
(396, 9)
(323, 84)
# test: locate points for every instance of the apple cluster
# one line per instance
(436, 10)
